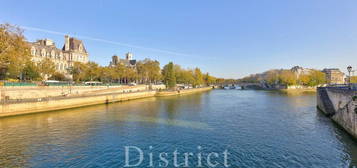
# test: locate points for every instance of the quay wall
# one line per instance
(13, 93)
(340, 106)
(182, 92)
(12, 109)
(42, 106)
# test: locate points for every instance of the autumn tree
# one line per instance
(353, 79)
(198, 77)
(271, 77)
(316, 78)
(92, 71)
(287, 77)
(14, 51)
(78, 71)
(120, 72)
(58, 76)
(46, 67)
(106, 74)
(30, 71)
(148, 71)
(208, 80)
(184, 76)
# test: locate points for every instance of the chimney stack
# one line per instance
(66, 42)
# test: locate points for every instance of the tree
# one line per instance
(353, 79)
(78, 71)
(198, 77)
(287, 77)
(208, 79)
(304, 79)
(46, 68)
(58, 76)
(92, 71)
(106, 74)
(316, 78)
(120, 72)
(31, 72)
(271, 77)
(14, 51)
(148, 71)
(169, 75)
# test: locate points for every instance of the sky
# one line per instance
(227, 38)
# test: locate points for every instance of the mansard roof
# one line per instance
(74, 45)
(39, 46)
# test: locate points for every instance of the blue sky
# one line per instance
(226, 38)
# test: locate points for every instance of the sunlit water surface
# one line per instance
(258, 128)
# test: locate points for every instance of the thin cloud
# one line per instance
(107, 41)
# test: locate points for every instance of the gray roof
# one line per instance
(74, 45)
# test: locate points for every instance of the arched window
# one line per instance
(33, 51)
(52, 54)
(43, 52)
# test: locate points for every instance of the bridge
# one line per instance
(242, 85)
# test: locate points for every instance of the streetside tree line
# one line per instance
(287, 77)
(16, 64)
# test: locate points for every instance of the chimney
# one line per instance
(66, 42)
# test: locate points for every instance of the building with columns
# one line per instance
(72, 51)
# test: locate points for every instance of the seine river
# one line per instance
(256, 128)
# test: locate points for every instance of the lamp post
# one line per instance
(349, 69)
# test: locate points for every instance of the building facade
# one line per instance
(298, 71)
(128, 61)
(334, 76)
(72, 51)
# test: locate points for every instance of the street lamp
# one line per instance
(349, 69)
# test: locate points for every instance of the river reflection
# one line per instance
(258, 128)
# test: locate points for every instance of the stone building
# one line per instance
(72, 51)
(334, 76)
(300, 71)
(128, 61)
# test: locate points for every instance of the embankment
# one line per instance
(103, 97)
(182, 92)
(340, 104)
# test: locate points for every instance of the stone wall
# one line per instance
(339, 105)
(35, 107)
(54, 91)
(90, 98)
(181, 92)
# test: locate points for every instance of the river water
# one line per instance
(256, 128)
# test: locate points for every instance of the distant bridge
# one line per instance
(243, 85)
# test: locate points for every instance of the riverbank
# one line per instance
(182, 92)
(94, 98)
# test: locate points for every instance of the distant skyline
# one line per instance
(229, 38)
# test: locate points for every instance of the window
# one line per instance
(43, 52)
(33, 51)
(53, 54)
